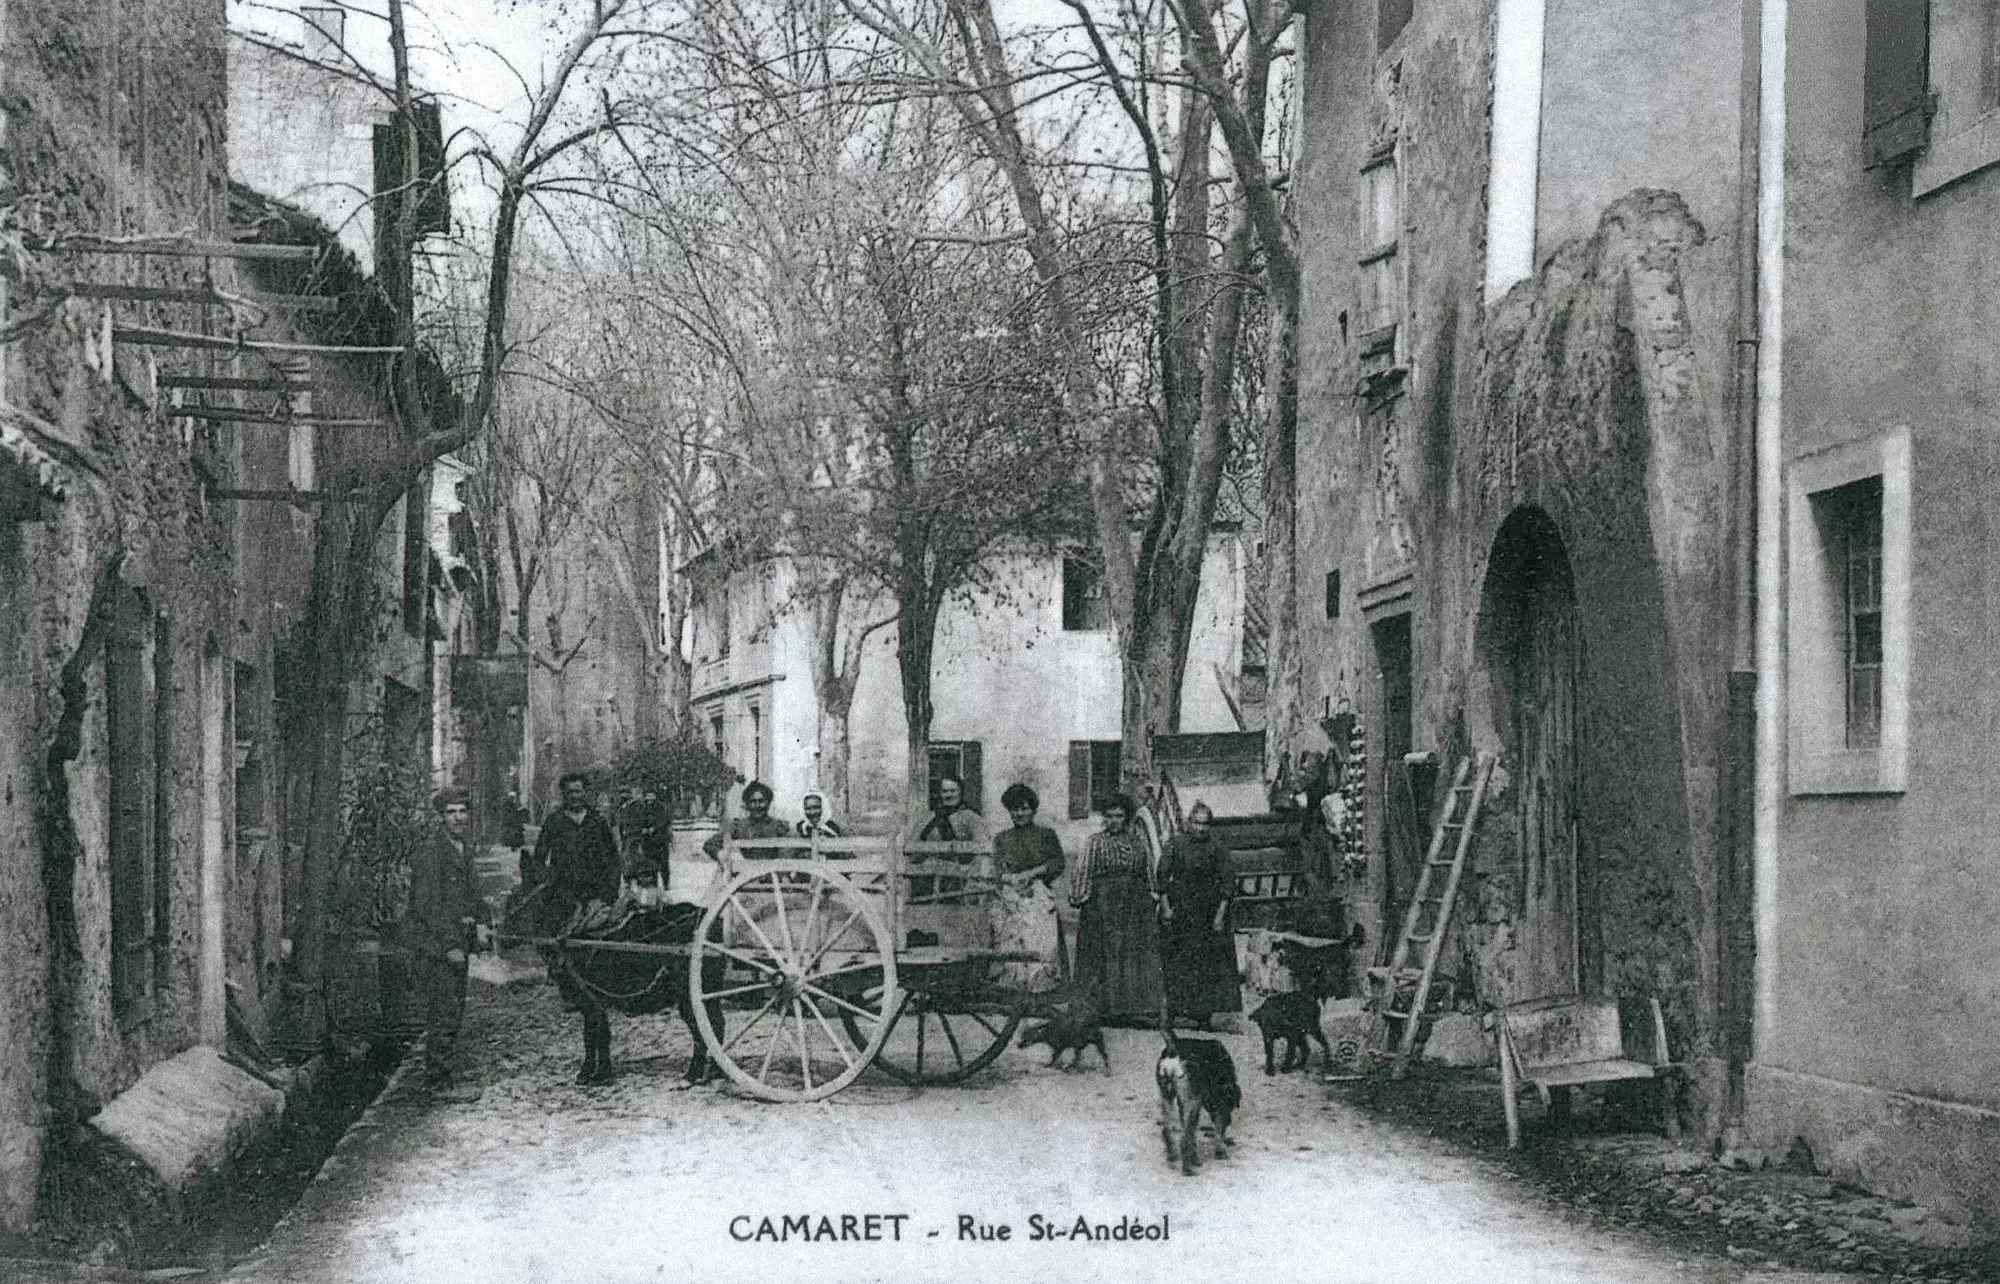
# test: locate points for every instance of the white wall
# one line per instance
(1005, 673)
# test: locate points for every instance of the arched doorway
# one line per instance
(1531, 647)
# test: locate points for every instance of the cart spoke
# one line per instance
(805, 1053)
(982, 1023)
(735, 990)
(812, 919)
(784, 922)
(749, 960)
(839, 1002)
(839, 1045)
(869, 965)
(839, 932)
(770, 1046)
(755, 930)
(751, 1024)
(952, 1039)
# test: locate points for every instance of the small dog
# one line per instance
(1293, 1017)
(1325, 971)
(1194, 1075)
(1070, 1029)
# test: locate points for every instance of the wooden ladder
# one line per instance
(1429, 914)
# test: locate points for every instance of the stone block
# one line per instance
(1456, 1040)
(189, 1115)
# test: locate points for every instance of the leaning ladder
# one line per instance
(1430, 912)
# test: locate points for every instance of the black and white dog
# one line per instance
(1194, 1075)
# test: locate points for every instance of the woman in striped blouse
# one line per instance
(1118, 944)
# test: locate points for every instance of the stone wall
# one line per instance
(1590, 402)
(114, 125)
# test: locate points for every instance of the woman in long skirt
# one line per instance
(1118, 944)
(1198, 951)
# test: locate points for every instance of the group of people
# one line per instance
(1133, 937)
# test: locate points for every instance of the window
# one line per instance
(1380, 261)
(1093, 776)
(760, 744)
(960, 760)
(1848, 596)
(1853, 517)
(1333, 595)
(1084, 606)
(1957, 121)
(1896, 113)
(1391, 16)
(138, 681)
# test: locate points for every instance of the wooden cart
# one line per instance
(829, 955)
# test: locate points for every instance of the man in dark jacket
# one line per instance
(579, 860)
(441, 925)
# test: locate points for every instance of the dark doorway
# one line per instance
(1531, 645)
(1402, 801)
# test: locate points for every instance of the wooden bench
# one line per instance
(1561, 1043)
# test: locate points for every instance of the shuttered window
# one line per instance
(1093, 776)
(1896, 76)
(133, 742)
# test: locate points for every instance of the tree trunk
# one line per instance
(916, 635)
(1283, 715)
(338, 612)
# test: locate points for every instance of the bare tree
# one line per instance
(1201, 262)
(429, 419)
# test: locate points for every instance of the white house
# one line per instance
(1026, 687)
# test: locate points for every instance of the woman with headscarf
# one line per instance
(815, 820)
(1117, 938)
(1197, 949)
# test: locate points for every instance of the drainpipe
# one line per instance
(1735, 895)
(1770, 526)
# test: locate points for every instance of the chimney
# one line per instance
(325, 33)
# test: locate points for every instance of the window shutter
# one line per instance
(1107, 769)
(1896, 108)
(1079, 779)
(129, 733)
(970, 778)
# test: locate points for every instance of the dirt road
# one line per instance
(646, 1180)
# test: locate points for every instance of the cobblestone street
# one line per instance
(543, 1180)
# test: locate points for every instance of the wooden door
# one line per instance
(1544, 681)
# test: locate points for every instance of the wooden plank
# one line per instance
(203, 298)
(142, 336)
(284, 496)
(1565, 1033)
(184, 248)
(232, 383)
(231, 414)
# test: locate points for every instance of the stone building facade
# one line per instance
(115, 588)
(1546, 243)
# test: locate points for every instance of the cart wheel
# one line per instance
(936, 1038)
(795, 945)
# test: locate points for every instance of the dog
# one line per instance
(1194, 1075)
(1070, 1027)
(1294, 1018)
(1322, 971)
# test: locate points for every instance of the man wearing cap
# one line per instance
(443, 923)
(755, 822)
